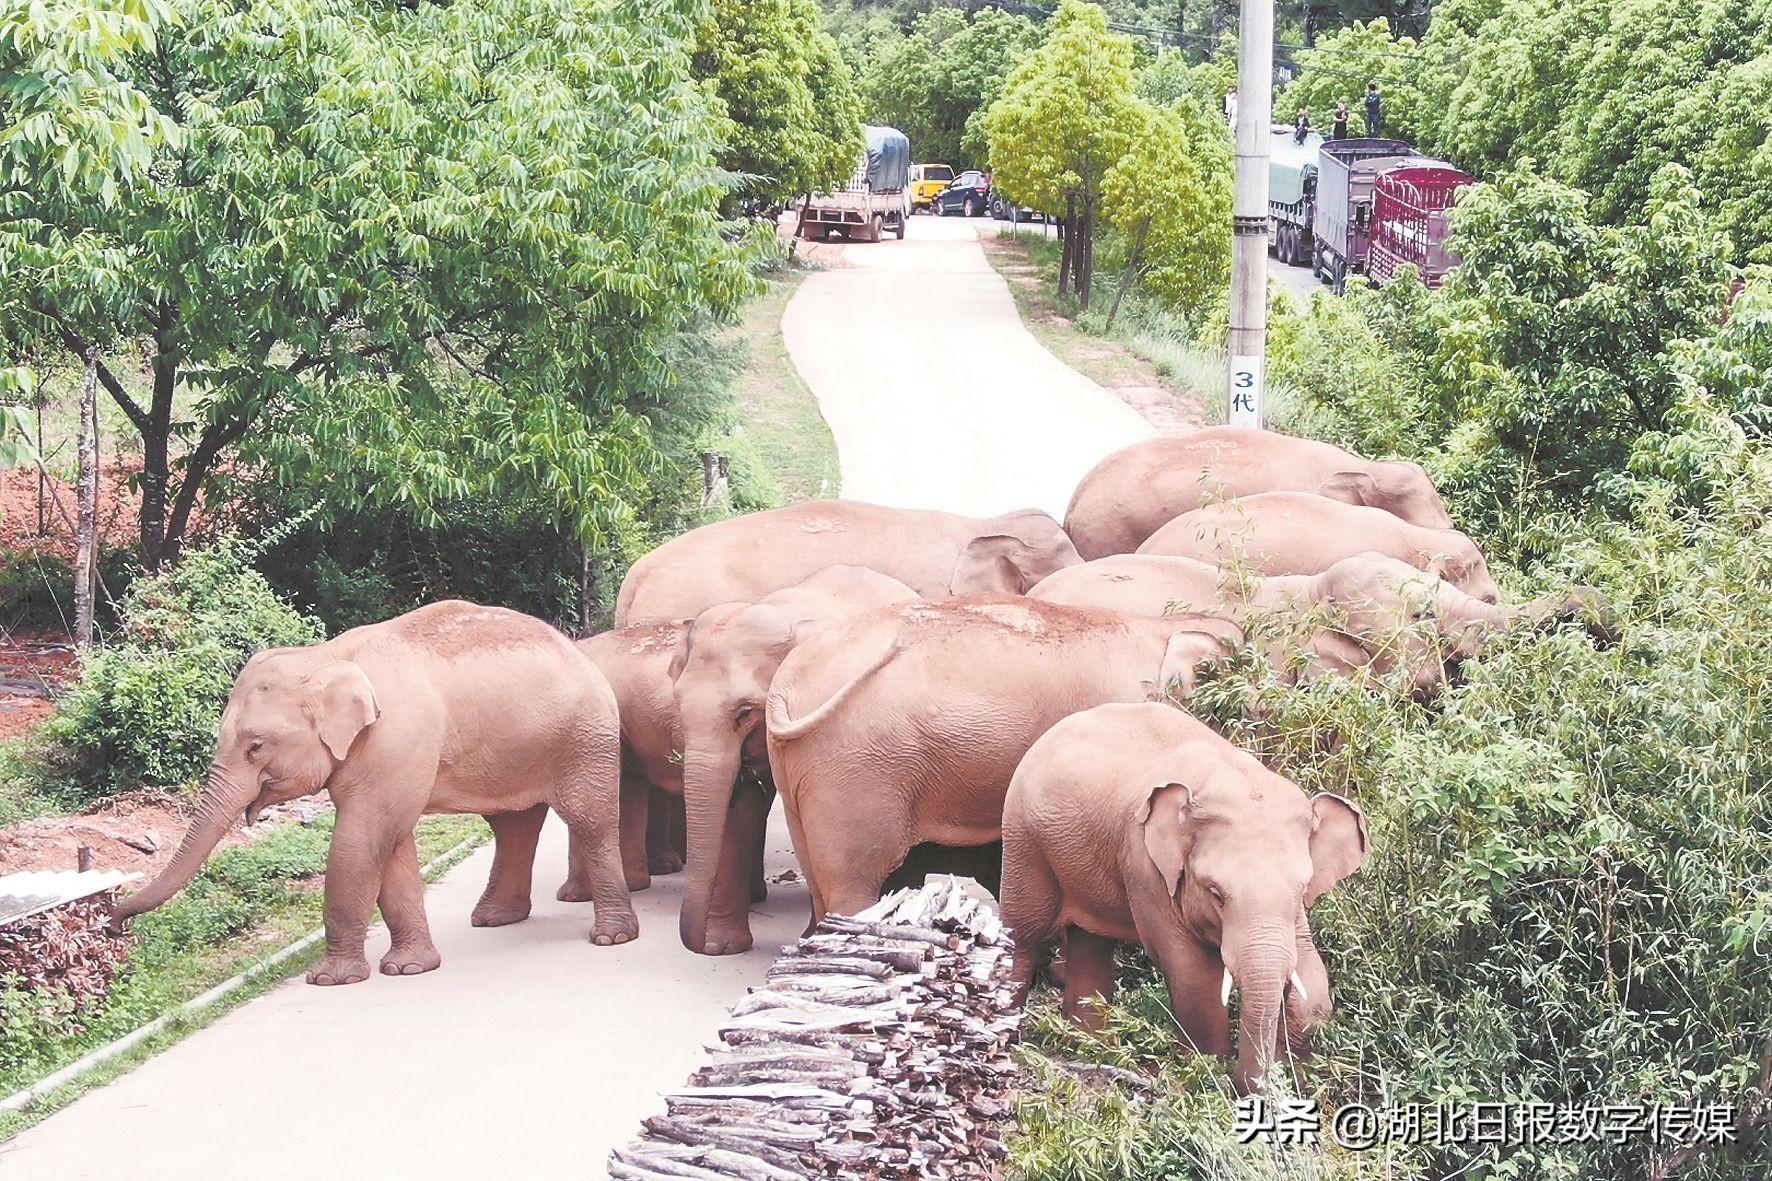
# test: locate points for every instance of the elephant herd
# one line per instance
(903, 679)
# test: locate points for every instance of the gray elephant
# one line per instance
(1138, 824)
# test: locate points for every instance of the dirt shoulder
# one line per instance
(1165, 401)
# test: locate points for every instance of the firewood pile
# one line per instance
(877, 1047)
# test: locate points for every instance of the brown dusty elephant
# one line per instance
(1298, 533)
(1138, 489)
(639, 663)
(1138, 824)
(936, 554)
(731, 656)
(1378, 602)
(453, 707)
(904, 725)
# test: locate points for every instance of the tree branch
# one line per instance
(71, 340)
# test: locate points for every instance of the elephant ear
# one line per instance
(1163, 818)
(1338, 843)
(680, 651)
(342, 704)
(993, 564)
(1352, 488)
(1186, 653)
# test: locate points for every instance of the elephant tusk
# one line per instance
(1298, 987)
(1224, 992)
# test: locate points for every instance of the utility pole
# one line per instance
(1249, 216)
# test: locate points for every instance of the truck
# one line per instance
(1292, 193)
(1409, 212)
(876, 199)
(1346, 172)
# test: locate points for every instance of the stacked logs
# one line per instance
(68, 949)
(877, 1047)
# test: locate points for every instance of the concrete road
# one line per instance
(937, 395)
(530, 1053)
(1297, 280)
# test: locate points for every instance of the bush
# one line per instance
(145, 709)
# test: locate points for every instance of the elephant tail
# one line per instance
(785, 728)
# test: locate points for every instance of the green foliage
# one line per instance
(145, 708)
(374, 228)
(777, 75)
(1337, 70)
(935, 83)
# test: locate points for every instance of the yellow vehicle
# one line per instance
(926, 181)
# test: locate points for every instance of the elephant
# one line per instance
(639, 663)
(1135, 823)
(1298, 533)
(453, 708)
(936, 554)
(722, 681)
(1375, 601)
(1135, 491)
(904, 725)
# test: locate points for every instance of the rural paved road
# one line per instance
(531, 1053)
(937, 396)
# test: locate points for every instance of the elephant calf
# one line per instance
(1137, 824)
(453, 707)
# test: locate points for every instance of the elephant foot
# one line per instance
(664, 862)
(493, 913)
(335, 969)
(579, 890)
(759, 891)
(410, 961)
(734, 942)
(616, 929)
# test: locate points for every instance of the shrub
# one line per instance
(145, 708)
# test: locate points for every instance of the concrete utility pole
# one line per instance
(1255, 101)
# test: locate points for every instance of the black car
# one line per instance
(969, 195)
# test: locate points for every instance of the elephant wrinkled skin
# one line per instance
(1138, 824)
(1135, 491)
(453, 707)
(1298, 533)
(936, 554)
(904, 725)
(722, 682)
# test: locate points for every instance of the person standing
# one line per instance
(1340, 124)
(1374, 111)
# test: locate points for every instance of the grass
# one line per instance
(1148, 349)
(778, 412)
(249, 902)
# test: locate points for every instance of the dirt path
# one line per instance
(937, 395)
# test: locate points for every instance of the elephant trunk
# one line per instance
(710, 770)
(223, 801)
(1262, 966)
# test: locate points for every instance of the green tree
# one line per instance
(1169, 196)
(382, 227)
(787, 90)
(1338, 69)
(936, 83)
(1066, 116)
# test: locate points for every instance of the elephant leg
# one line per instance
(362, 841)
(666, 833)
(847, 854)
(514, 837)
(637, 821)
(1031, 908)
(1088, 976)
(402, 903)
(729, 904)
(587, 796)
(1195, 977)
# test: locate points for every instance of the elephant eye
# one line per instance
(1217, 894)
(743, 714)
(253, 747)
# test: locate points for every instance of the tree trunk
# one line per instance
(1085, 254)
(1133, 259)
(87, 525)
(1068, 234)
(156, 432)
(587, 588)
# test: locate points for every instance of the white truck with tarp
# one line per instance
(876, 199)
(1292, 193)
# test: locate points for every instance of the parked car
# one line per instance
(927, 180)
(969, 195)
(1003, 209)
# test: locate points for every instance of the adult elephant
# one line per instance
(936, 554)
(1138, 824)
(904, 725)
(722, 682)
(1382, 603)
(1135, 491)
(639, 663)
(1299, 533)
(453, 707)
